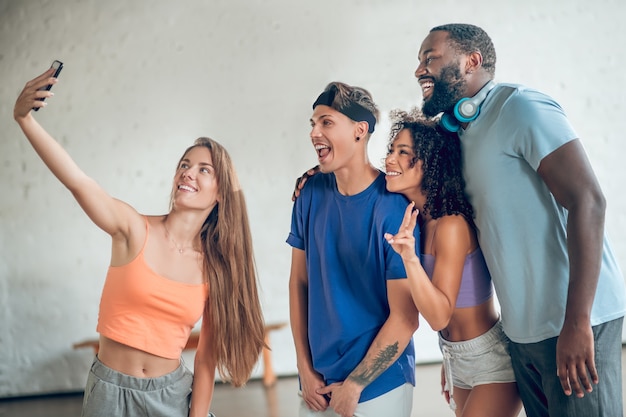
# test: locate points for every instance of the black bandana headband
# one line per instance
(354, 111)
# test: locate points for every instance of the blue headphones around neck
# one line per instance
(465, 110)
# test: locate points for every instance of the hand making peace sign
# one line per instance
(403, 242)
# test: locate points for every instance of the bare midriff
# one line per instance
(134, 362)
(468, 323)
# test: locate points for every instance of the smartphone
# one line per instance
(58, 66)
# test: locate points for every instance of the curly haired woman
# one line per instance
(451, 285)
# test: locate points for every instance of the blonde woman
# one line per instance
(166, 272)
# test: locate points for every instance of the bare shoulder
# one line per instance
(150, 225)
(454, 233)
(453, 224)
(153, 221)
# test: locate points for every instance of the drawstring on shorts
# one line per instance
(447, 368)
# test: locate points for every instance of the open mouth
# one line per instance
(427, 87)
(187, 188)
(322, 151)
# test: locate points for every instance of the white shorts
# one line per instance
(479, 361)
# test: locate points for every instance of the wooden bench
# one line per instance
(269, 376)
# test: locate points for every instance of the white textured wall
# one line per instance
(142, 79)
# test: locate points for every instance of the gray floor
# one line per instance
(252, 400)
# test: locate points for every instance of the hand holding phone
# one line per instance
(58, 66)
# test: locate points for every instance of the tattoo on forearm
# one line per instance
(366, 373)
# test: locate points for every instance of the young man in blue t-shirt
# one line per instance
(352, 315)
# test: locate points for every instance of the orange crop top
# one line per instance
(146, 311)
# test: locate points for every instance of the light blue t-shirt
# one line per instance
(348, 263)
(522, 229)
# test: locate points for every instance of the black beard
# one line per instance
(448, 89)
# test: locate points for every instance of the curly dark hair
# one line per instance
(466, 38)
(440, 153)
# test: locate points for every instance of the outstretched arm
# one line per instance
(570, 178)
(111, 215)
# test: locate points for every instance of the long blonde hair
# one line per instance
(232, 309)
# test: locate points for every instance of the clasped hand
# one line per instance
(344, 396)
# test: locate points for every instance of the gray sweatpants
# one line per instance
(111, 393)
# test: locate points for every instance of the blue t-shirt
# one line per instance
(521, 227)
(348, 264)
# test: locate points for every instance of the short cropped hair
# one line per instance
(468, 38)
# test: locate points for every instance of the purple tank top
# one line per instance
(476, 285)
